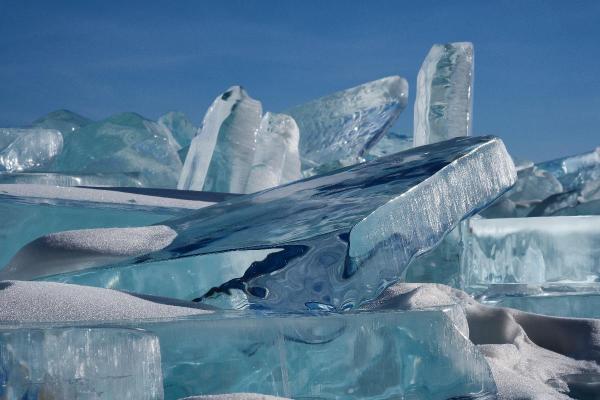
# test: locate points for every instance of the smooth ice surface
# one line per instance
(123, 143)
(574, 171)
(129, 179)
(531, 250)
(221, 154)
(276, 160)
(180, 126)
(79, 363)
(572, 305)
(444, 100)
(64, 121)
(31, 211)
(337, 240)
(345, 124)
(27, 149)
(390, 143)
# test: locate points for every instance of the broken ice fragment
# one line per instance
(26, 149)
(276, 160)
(64, 121)
(345, 124)
(575, 171)
(221, 154)
(71, 363)
(545, 250)
(444, 100)
(390, 143)
(123, 143)
(337, 240)
(180, 126)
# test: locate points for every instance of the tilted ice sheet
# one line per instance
(337, 240)
(531, 250)
(122, 143)
(64, 121)
(221, 154)
(444, 100)
(345, 124)
(27, 149)
(276, 159)
(31, 211)
(80, 363)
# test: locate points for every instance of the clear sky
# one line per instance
(537, 63)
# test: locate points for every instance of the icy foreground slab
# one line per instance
(222, 153)
(31, 211)
(444, 100)
(345, 124)
(336, 240)
(26, 149)
(73, 363)
(276, 159)
(123, 143)
(531, 251)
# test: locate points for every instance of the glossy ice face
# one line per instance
(336, 240)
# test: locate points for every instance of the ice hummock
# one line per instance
(444, 99)
(64, 121)
(122, 143)
(221, 154)
(181, 127)
(334, 240)
(343, 126)
(24, 149)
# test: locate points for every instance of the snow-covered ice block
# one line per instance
(27, 149)
(337, 240)
(123, 143)
(276, 158)
(531, 251)
(221, 154)
(444, 100)
(346, 124)
(31, 211)
(79, 363)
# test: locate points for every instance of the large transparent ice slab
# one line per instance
(80, 363)
(180, 126)
(123, 143)
(531, 251)
(27, 149)
(221, 154)
(345, 124)
(64, 121)
(387, 354)
(276, 159)
(31, 211)
(444, 100)
(575, 171)
(336, 240)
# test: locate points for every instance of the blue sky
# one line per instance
(537, 63)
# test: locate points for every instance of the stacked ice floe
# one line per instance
(281, 263)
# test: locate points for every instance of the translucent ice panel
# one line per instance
(571, 305)
(26, 149)
(79, 363)
(345, 124)
(123, 143)
(390, 143)
(531, 250)
(444, 102)
(575, 171)
(276, 159)
(221, 154)
(337, 240)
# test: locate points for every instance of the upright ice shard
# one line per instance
(344, 125)
(180, 126)
(123, 143)
(221, 154)
(27, 149)
(276, 160)
(64, 121)
(534, 251)
(335, 240)
(75, 363)
(444, 102)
